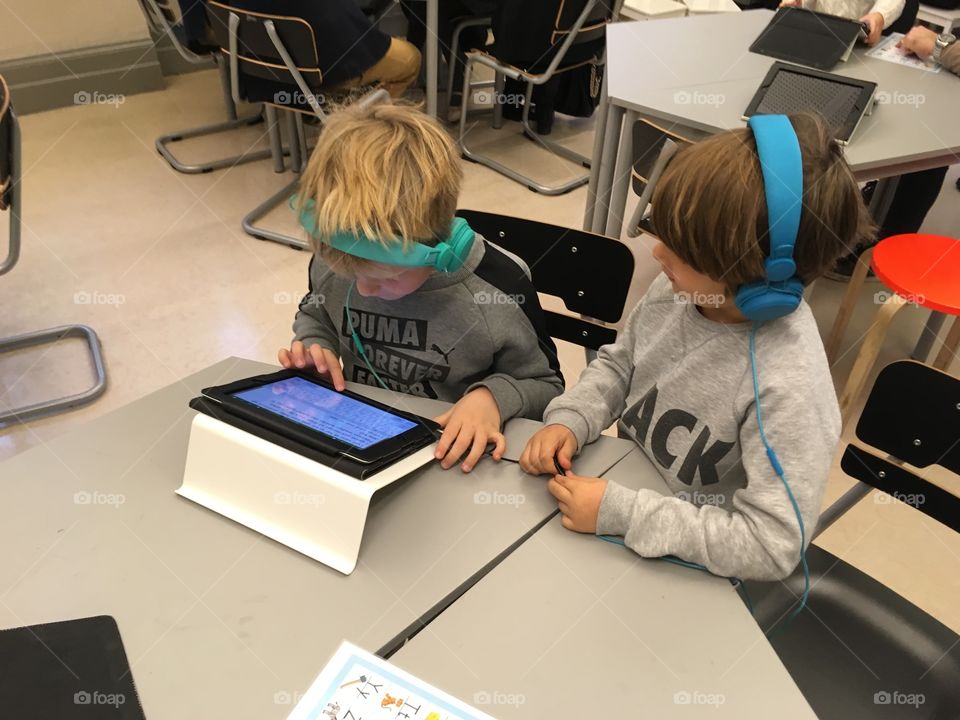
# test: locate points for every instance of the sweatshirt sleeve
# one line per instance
(312, 324)
(526, 374)
(600, 395)
(758, 537)
(890, 9)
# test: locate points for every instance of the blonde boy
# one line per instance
(387, 177)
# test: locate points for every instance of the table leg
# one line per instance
(605, 168)
(599, 126)
(433, 52)
(927, 336)
(621, 177)
(273, 132)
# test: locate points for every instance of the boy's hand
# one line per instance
(874, 21)
(791, 3)
(469, 425)
(553, 441)
(324, 361)
(579, 500)
(919, 41)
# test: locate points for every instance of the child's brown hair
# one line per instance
(709, 206)
(387, 171)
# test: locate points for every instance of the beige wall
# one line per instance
(39, 27)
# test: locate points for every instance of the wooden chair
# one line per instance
(11, 201)
(918, 269)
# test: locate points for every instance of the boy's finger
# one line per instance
(284, 358)
(565, 453)
(566, 522)
(460, 445)
(316, 356)
(333, 367)
(501, 446)
(442, 420)
(525, 460)
(561, 493)
(446, 439)
(297, 354)
(476, 452)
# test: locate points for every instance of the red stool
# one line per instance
(921, 270)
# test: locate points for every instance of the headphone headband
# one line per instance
(446, 256)
(781, 164)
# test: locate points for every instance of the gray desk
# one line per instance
(218, 621)
(697, 73)
(569, 626)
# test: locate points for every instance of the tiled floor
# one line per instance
(155, 261)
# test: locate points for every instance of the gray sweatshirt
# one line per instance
(682, 388)
(481, 325)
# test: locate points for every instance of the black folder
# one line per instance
(69, 670)
(808, 38)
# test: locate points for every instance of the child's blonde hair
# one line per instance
(387, 171)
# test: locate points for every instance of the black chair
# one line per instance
(858, 649)
(590, 273)
(272, 59)
(574, 37)
(11, 201)
(163, 20)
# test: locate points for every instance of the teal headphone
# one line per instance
(446, 256)
(781, 163)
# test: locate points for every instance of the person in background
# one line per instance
(916, 192)
(877, 15)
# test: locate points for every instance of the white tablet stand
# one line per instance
(307, 506)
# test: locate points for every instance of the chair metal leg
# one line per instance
(499, 85)
(273, 132)
(500, 167)
(265, 207)
(232, 123)
(9, 416)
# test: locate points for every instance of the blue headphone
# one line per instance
(446, 256)
(781, 291)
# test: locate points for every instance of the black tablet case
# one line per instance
(807, 37)
(350, 467)
(51, 672)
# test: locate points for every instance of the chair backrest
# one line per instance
(648, 142)
(164, 18)
(9, 175)
(6, 144)
(530, 35)
(257, 53)
(590, 273)
(913, 415)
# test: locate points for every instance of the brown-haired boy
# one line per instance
(679, 376)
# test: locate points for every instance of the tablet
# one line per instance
(789, 89)
(309, 410)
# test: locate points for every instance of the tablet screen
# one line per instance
(327, 411)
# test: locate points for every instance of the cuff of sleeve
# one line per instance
(615, 510)
(509, 400)
(572, 420)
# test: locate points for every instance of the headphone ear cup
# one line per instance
(454, 251)
(761, 301)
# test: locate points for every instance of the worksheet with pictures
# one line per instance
(357, 685)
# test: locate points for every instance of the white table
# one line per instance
(218, 621)
(696, 72)
(570, 626)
